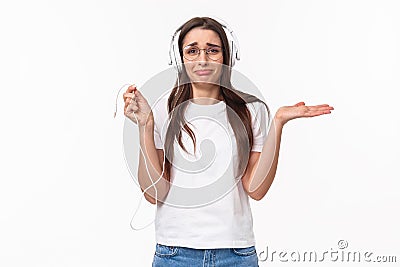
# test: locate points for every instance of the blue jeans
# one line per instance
(166, 256)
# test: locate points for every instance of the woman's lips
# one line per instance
(203, 72)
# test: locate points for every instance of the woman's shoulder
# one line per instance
(160, 109)
(259, 113)
(256, 106)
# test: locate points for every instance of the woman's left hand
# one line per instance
(300, 110)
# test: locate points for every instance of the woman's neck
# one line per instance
(206, 94)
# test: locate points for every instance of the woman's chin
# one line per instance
(204, 79)
(205, 82)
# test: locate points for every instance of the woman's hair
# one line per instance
(235, 99)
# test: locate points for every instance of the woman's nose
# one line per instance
(203, 56)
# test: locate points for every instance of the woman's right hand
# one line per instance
(137, 109)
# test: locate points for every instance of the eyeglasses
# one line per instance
(193, 52)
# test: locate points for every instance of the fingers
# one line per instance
(131, 104)
(130, 111)
(323, 106)
(131, 88)
(132, 107)
(311, 111)
(316, 106)
(128, 101)
(129, 96)
(317, 111)
(138, 96)
(299, 104)
(129, 93)
(320, 107)
(321, 110)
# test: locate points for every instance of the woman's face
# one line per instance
(204, 68)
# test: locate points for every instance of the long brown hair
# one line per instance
(233, 98)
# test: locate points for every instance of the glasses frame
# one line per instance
(205, 51)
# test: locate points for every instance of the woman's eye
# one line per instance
(192, 51)
(213, 50)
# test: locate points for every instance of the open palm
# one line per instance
(300, 110)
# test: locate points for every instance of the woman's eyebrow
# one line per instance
(209, 44)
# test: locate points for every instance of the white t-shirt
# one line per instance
(206, 206)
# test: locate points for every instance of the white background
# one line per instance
(66, 195)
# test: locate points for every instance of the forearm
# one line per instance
(263, 175)
(150, 167)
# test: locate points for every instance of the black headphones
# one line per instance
(175, 57)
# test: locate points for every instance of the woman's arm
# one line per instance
(150, 166)
(139, 111)
(262, 166)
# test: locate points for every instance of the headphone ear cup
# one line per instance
(232, 47)
(177, 58)
(232, 52)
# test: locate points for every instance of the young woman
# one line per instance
(203, 213)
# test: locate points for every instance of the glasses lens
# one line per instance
(214, 53)
(191, 52)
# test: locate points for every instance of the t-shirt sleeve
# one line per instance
(260, 121)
